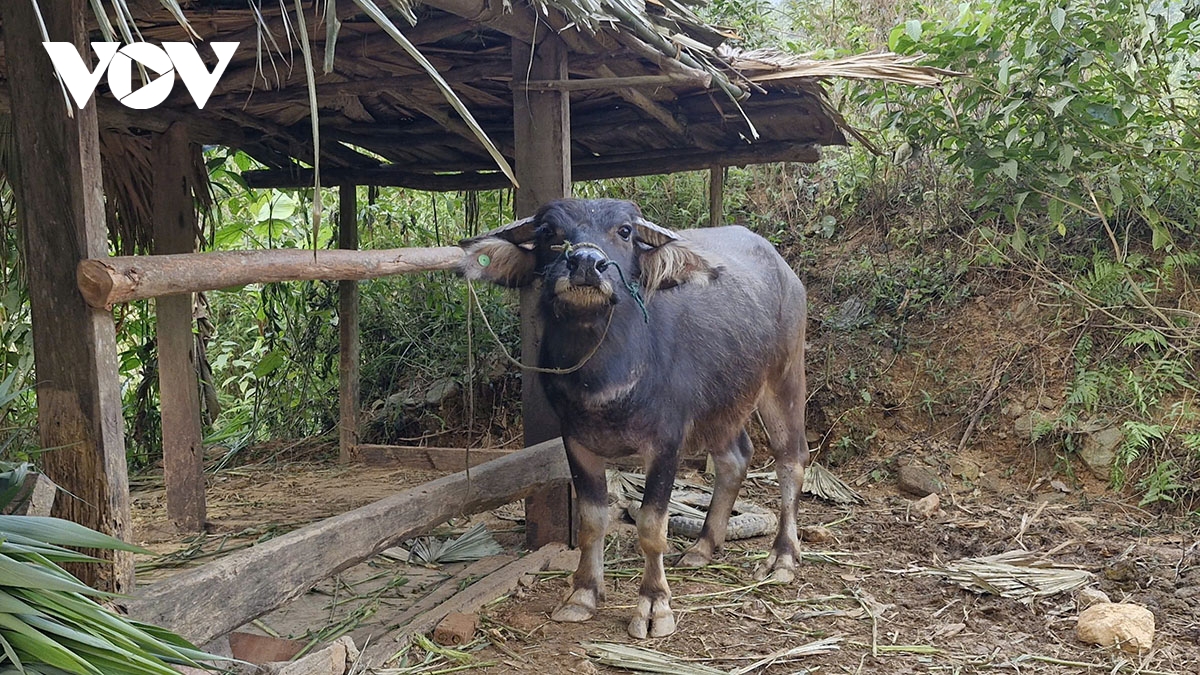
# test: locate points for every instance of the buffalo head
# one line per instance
(583, 249)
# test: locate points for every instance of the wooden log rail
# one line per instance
(213, 599)
(108, 281)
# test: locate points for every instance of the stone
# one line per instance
(1013, 409)
(1124, 625)
(964, 469)
(1099, 450)
(927, 506)
(817, 534)
(919, 480)
(1086, 597)
(441, 390)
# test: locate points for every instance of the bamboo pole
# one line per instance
(107, 281)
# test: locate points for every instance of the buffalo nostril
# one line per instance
(572, 264)
(603, 265)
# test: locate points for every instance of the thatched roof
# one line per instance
(665, 93)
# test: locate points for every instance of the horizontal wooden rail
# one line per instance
(107, 281)
(213, 599)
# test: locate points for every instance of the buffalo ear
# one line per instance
(497, 261)
(674, 263)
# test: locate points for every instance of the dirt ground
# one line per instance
(863, 587)
(881, 397)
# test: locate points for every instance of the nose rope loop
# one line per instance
(537, 369)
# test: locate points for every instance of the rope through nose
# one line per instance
(633, 287)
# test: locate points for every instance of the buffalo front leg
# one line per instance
(587, 584)
(731, 463)
(652, 616)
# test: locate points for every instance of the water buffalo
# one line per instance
(657, 342)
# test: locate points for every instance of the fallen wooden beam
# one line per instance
(430, 459)
(211, 600)
(107, 281)
(469, 600)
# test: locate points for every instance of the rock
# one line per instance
(441, 390)
(964, 469)
(1013, 409)
(1023, 426)
(927, 505)
(1099, 450)
(1127, 626)
(919, 480)
(816, 534)
(1086, 597)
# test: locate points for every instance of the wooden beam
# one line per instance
(585, 168)
(542, 143)
(649, 106)
(611, 82)
(213, 599)
(716, 196)
(174, 225)
(348, 329)
(105, 281)
(61, 209)
(429, 459)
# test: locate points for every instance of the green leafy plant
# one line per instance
(49, 622)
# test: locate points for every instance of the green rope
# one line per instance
(635, 291)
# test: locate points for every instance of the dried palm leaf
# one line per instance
(1020, 575)
(645, 660)
(471, 545)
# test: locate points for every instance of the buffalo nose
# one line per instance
(586, 264)
(587, 258)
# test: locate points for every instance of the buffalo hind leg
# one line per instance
(652, 616)
(782, 410)
(587, 584)
(731, 465)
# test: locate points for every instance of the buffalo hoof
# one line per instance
(778, 568)
(693, 559)
(580, 606)
(652, 618)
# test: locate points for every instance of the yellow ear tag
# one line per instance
(485, 260)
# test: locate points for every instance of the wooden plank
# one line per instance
(716, 196)
(542, 138)
(430, 459)
(348, 329)
(175, 231)
(449, 587)
(105, 281)
(586, 168)
(61, 206)
(254, 581)
(470, 599)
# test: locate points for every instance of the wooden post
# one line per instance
(542, 141)
(348, 330)
(174, 226)
(62, 214)
(716, 196)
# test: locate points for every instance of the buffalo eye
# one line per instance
(625, 231)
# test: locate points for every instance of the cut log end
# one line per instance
(95, 281)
